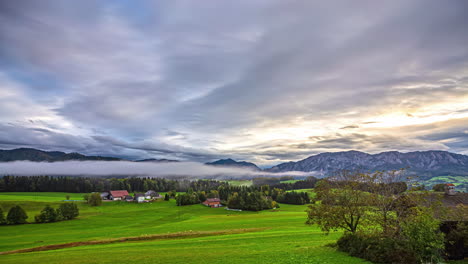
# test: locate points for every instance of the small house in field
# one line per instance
(128, 198)
(118, 195)
(152, 194)
(212, 202)
(105, 195)
(139, 197)
(450, 189)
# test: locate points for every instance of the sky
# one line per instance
(259, 80)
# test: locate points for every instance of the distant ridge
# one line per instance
(32, 154)
(423, 163)
(233, 163)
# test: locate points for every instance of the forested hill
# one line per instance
(233, 163)
(422, 163)
(39, 155)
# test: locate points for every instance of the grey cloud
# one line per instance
(203, 74)
(103, 168)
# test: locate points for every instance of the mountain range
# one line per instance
(423, 163)
(50, 156)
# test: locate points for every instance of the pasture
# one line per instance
(165, 233)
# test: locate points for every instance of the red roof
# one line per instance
(212, 200)
(450, 184)
(120, 193)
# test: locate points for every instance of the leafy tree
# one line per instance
(67, 197)
(338, 208)
(68, 211)
(94, 199)
(2, 217)
(166, 197)
(16, 215)
(47, 215)
(422, 232)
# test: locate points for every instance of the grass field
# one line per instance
(274, 236)
(172, 234)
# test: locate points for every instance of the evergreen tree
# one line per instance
(47, 215)
(2, 217)
(16, 215)
(166, 197)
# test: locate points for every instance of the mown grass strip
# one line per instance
(189, 234)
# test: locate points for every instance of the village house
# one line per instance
(152, 195)
(129, 198)
(212, 202)
(118, 195)
(105, 195)
(140, 197)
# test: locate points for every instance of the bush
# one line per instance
(2, 217)
(93, 199)
(16, 215)
(421, 230)
(68, 211)
(47, 215)
(376, 249)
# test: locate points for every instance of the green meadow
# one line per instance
(195, 234)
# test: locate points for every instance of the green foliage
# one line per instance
(440, 187)
(344, 208)
(47, 215)
(187, 199)
(166, 197)
(16, 215)
(250, 201)
(293, 198)
(376, 248)
(68, 211)
(93, 199)
(421, 230)
(2, 217)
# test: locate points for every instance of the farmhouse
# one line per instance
(118, 195)
(105, 195)
(212, 202)
(152, 194)
(139, 197)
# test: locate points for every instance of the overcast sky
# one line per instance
(264, 81)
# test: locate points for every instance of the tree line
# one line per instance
(16, 215)
(99, 184)
(307, 183)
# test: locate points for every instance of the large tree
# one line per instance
(16, 215)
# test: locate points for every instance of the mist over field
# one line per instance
(127, 168)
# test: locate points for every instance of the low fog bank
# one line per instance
(128, 168)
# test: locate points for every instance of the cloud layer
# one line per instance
(127, 168)
(264, 81)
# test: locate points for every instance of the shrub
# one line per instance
(421, 230)
(47, 215)
(16, 215)
(376, 248)
(68, 211)
(93, 199)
